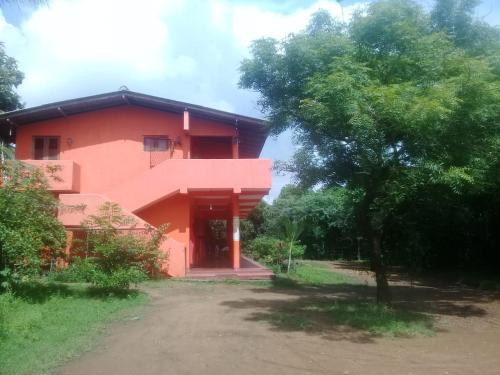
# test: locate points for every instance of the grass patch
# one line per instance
(312, 274)
(327, 314)
(377, 319)
(41, 325)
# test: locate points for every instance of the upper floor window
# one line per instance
(45, 148)
(156, 143)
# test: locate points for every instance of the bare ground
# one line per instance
(219, 328)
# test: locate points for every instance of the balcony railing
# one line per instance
(183, 175)
(63, 175)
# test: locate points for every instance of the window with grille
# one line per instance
(45, 148)
(156, 143)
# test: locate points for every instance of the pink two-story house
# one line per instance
(162, 161)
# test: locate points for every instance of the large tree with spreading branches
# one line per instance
(395, 101)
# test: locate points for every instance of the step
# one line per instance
(255, 274)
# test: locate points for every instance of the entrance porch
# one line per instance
(214, 250)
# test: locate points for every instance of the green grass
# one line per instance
(376, 319)
(311, 274)
(361, 313)
(319, 274)
(42, 325)
(362, 316)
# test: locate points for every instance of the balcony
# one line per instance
(63, 175)
(175, 176)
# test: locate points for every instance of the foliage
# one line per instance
(272, 251)
(115, 253)
(455, 18)
(253, 225)
(394, 105)
(78, 271)
(30, 234)
(10, 78)
(42, 325)
(328, 216)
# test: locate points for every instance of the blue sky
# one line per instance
(187, 50)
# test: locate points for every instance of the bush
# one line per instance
(115, 253)
(78, 271)
(272, 251)
(120, 278)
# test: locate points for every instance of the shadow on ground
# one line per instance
(348, 311)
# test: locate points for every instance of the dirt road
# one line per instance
(218, 328)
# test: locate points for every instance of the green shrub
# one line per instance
(272, 251)
(78, 271)
(120, 278)
(115, 253)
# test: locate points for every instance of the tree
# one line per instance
(30, 234)
(10, 79)
(456, 19)
(385, 107)
(291, 232)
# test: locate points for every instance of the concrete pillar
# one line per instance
(187, 146)
(187, 142)
(236, 148)
(236, 232)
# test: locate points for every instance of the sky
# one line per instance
(186, 50)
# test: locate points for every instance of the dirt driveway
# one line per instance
(219, 328)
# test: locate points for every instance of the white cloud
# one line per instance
(250, 22)
(78, 47)
(186, 50)
(69, 43)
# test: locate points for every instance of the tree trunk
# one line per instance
(289, 257)
(383, 291)
(374, 236)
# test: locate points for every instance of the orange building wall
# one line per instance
(175, 212)
(108, 144)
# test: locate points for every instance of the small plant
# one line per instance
(291, 231)
(273, 251)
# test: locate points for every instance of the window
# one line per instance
(156, 143)
(45, 148)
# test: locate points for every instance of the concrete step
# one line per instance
(241, 274)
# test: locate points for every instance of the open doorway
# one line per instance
(211, 147)
(212, 248)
